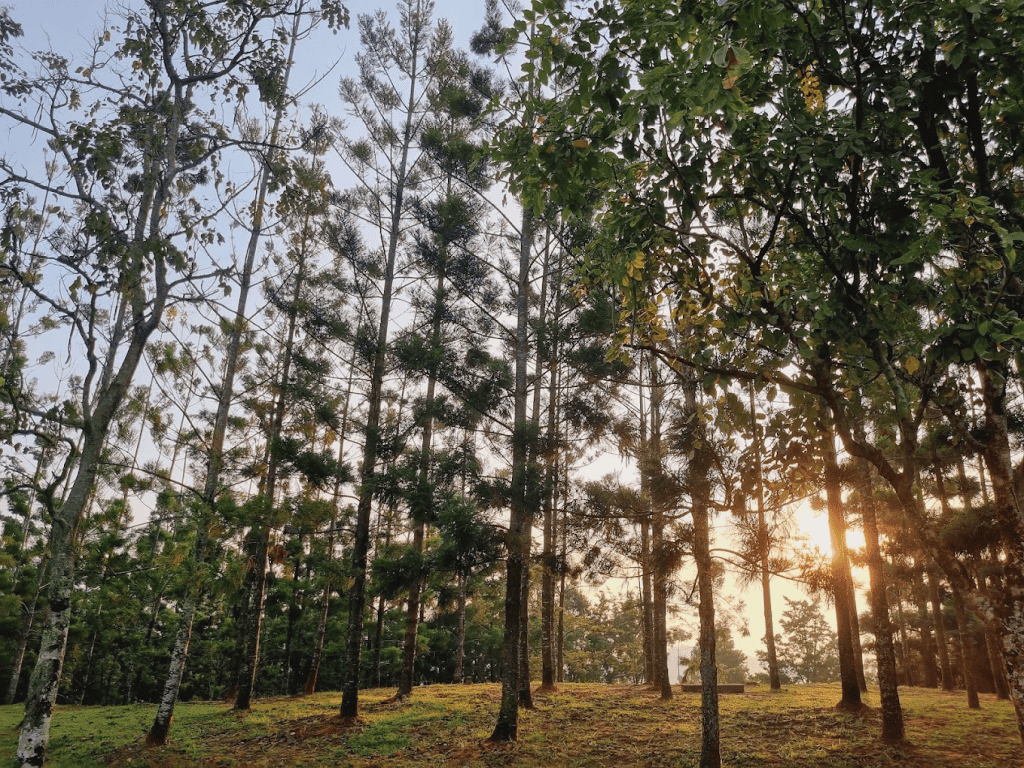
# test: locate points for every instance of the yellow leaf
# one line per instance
(581, 144)
(912, 365)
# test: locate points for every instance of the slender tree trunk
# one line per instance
(560, 647)
(940, 631)
(851, 699)
(371, 444)
(960, 607)
(700, 493)
(651, 468)
(966, 650)
(929, 648)
(460, 641)
(1005, 614)
(26, 633)
(295, 611)
(525, 694)
(507, 726)
(647, 601)
(764, 547)
(995, 660)
(548, 641)
(901, 624)
(378, 636)
(995, 656)
(424, 496)
(158, 732)
(325, 600)
(550, 503)
(885, 653)
(254, 625)
(858, 651)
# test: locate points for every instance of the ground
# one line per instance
(580, 725)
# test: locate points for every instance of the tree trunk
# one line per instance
(179, 655)
(425, 495)
(651, 469)
(966, 646)
(371, 444)
(710, 745)
(525, 694)
(929, 648)
(551, 499)
(966, 650)
(858, 651)
(851, 699)
(45, 678)
(885, 653)
(560, 647)
(507, 726)
(940, 631)
(254, 625)
(325, 599)
(995, 656)
(764, 547)
(26, 632)
(647, 601)
(460, 642)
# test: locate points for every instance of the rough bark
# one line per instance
(460, 639)
(966, 650)
(525, 693)
(647, 602)
(560, 645)
(551, 497)
(939, 623)
(851, 699)
(858, 651)
(710, 744)
(960, 608)
(651, 468)
(507, 726)
(995, 656)
(929, 648)
(885, 653)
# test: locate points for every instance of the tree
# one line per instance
(386, 162)
(130, 237)
(211, 487)
(807, 649)
(730, 661)
(751, 121)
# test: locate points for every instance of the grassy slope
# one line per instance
(581, 725)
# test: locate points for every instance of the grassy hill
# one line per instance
(581, 725)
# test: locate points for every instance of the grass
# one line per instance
(580, 725)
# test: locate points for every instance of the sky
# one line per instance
(69, 26)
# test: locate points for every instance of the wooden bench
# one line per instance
(722, 687)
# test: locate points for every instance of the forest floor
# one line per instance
(446, 726)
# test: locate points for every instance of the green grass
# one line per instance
(580, 725)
